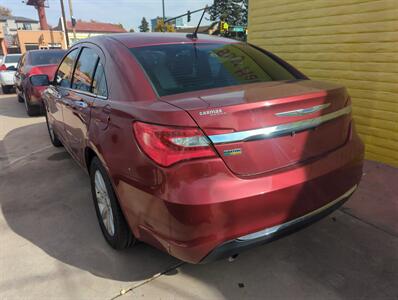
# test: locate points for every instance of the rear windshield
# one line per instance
(182, 68)
(46, 57)
(10, 59)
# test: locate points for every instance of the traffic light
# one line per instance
(188, 16)
(73, 20)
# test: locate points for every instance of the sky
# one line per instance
(127, 12)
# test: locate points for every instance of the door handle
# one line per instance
(81, 104)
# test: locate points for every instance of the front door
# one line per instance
(59, 91)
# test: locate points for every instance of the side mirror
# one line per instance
(11, 68)
(39, 80)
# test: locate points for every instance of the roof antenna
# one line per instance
(194, 35)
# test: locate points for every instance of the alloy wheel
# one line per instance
(104, 203)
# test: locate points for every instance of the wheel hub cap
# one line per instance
(104, 203)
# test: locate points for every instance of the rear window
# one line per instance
(182, 68)
(10, 59)
(45, 57)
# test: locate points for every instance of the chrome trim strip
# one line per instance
(274, 131)
(276, 228)
(302, 111)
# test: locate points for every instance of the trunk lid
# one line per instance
(49, 70)
(262, 127)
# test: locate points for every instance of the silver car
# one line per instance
(7, 72)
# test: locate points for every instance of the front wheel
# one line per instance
(53, 136)
(110, 217)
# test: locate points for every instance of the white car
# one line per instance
(7, 72)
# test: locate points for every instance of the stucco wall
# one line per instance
(354, 42)
(42, 38)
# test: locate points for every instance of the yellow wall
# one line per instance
(353, 42)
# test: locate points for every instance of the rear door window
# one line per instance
(99, 83)
(84, 70)
(64, 73)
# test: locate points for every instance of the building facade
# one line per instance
(352, 42)
(9, 25)
(85, 29)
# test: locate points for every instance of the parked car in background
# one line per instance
(7, 71)
(202, 147)
(35, 62)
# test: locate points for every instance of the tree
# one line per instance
(5, 11)
(234, 12)
(161, 27)
(144, 25)
(131, 30)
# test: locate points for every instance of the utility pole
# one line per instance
(72, 19)
(164, 15)
(64, 22)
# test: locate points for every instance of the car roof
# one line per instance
(45, 50)
(133, 40)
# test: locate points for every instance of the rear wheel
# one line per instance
(31, 110)
(20, 98)
(5, 89)
(53, 136)
(110, 217)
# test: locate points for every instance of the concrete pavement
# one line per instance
(51, 245)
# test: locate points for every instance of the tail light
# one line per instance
(3, 68)
(169, 145)
(35, 71)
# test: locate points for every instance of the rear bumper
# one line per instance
(234, 247)
(7, 78)
(200, 211)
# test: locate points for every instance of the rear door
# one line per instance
(19, 74)
(77, 104)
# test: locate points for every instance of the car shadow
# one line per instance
(45, 198)
(14, 108)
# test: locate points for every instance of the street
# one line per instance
(52, 246)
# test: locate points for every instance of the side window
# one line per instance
(84, 71)
(99, 83)
(64, 73)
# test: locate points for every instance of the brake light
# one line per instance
(169, 145)
(3, 67)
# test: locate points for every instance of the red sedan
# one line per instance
(32, 63)
(201, 147)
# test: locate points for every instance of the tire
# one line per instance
(20, 99)
(110, 217)
(5, 89)
(31, 110)
(53, 136)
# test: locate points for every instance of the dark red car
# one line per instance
(32, 63)
(201, 147)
